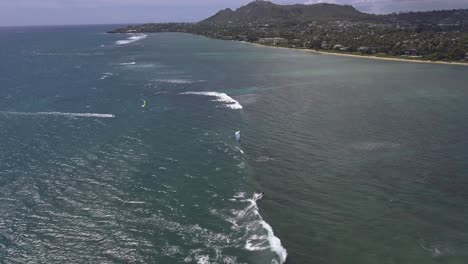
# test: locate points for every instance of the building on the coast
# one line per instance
(466, 56)
(338, 47)
(274, 41)
(363, 49)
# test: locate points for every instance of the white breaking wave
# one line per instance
(134, 202)
(239, 195)
(127, 63)
(273, 241)
(59, 114)
(133, 38)
(106, 75)
(203, 260)
(260, 235)
(177, 81)
(240, 150)
(220, 97)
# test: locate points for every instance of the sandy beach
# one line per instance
(363, 56)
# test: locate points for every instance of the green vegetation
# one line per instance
(267, 12)
(436, 35)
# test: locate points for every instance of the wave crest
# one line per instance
(220, 97)
(257, 234)
(133, 38)
(59, 114)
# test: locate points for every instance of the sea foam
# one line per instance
(132, 38)
(106, 75)
(59, 114)
(273, 241)
(127, 63)
(176, 81)
(220, 97)
(259, 234)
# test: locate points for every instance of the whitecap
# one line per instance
(134, 202)
(127, 63)
(256, 243)
(106, 75)
(221, 97)
(203, 259)
(260, 242)
(59, 114)
(133, 38)
(275, 243)
(239, 195)
(240, 150)
(178, 81)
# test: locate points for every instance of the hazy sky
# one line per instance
(47, 12)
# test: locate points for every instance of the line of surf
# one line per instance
(96, 115)
(259, 234)
(177, 81)
(274, 243)
(127, 63)
(220, 97)
(132, 38)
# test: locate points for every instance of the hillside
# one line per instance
(265, 11)
(434, 35)
(456, 17)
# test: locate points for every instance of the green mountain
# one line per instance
(265, 11)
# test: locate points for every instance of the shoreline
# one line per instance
(332, 53)
(371, 57)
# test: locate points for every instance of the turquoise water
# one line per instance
(361, 161)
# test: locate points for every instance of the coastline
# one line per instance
(333, 53)
(372, 57)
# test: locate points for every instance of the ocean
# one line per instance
(121, 149)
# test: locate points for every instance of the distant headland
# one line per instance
(434, 36)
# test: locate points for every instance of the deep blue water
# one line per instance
(361, 161)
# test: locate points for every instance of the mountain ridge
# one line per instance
(440, 35)
(264, 11)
